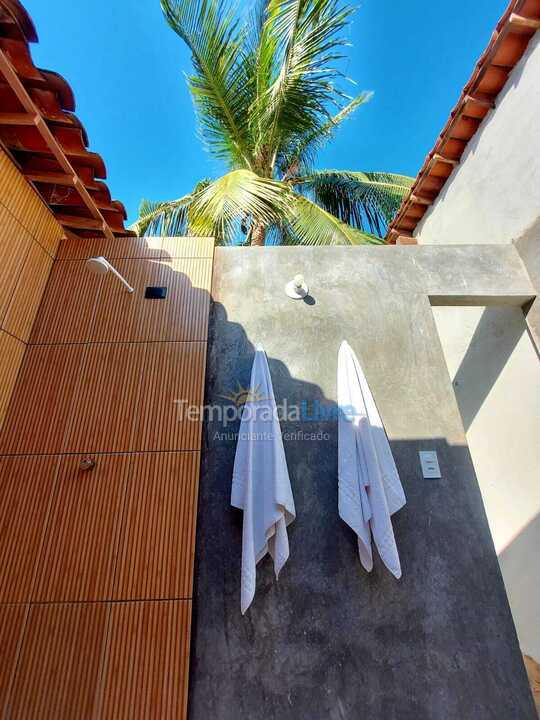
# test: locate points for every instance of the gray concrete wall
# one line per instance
(330, 641)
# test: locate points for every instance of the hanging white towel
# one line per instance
(370, 490)
(261, 485)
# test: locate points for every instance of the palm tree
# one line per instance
(268, 95)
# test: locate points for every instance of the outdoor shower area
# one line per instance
(120, 588)
(143, 520)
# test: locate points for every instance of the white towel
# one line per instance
(370, 490)
(261, 485)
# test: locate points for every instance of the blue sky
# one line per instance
(126, 68)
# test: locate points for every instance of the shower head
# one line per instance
(297, 289)
(98, 265)
(101, 266)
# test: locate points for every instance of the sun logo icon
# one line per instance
(243, 395)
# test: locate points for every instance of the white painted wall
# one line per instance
(496, 376)
(493, 197)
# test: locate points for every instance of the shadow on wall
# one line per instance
(330, 641)
(491, 346)
(521, 571)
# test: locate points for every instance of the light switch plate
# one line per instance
(430, 464)
(155, 293)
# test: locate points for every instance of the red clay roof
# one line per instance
(46, 140)
(512, 34)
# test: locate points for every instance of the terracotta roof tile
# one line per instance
(506, 47)
(46, 140)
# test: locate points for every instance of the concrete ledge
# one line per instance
(528, 247)
(480, 300)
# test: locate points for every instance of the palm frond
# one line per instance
(302, 153)
(234, 198)
(304, 38)
(268, 93)
(166, 218)
(259, 59)
(219, 85)
(313, 225)
(365, 200)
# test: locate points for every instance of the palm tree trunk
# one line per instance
(258, 235)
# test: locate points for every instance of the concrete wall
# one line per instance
(493, 196)
(330, 642)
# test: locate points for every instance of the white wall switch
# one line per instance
(430, 464)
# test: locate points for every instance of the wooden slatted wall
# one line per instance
(29, 239)
(97, 565)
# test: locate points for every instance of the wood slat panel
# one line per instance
(184, 247)
(23, 202)
(12, 619)
(123, 316)
(26, 492)
(58, 670)
(28, 293)
(14, 190)
(13, 186)
(44, 226)
(146, 666)
(189, 283)
(15, 243)
(173, 372)
(11, 357)
(67, 310)
(37, 418)
(158, 533)
(106, 405)
(81, 541)
(75, 248)
(79, 544)
(112, 314)
(132, 248)
(182, 315)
